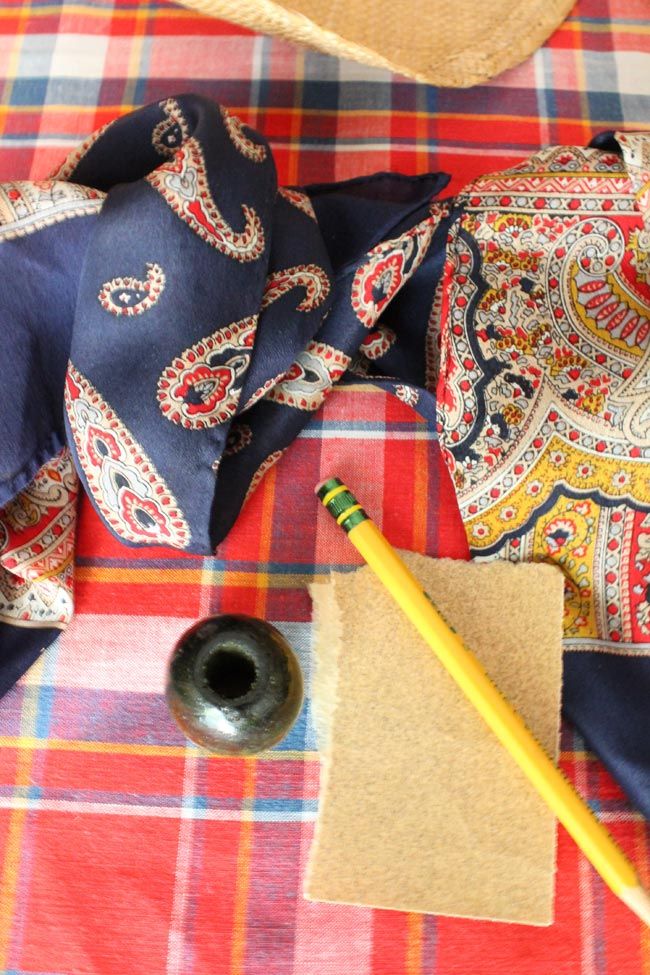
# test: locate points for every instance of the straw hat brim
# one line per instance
(455, 43)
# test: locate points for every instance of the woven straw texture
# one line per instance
(455, 44)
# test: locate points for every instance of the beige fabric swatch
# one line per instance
(421, 809)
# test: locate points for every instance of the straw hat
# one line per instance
(443, 42)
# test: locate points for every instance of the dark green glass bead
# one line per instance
(234, 684)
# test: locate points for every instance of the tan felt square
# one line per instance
(421, 808)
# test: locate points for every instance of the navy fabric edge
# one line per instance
(604, 695)
(20, 647)
(12, 486)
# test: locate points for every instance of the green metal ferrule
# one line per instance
(354, 519)
(327, 486)
(341, 503)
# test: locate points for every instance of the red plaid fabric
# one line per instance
(122, 847)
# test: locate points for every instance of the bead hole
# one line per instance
(230, 674)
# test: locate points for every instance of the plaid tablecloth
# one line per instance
(123, 849)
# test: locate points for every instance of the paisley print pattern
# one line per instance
(308, 276)
(201, 387)
(240, 436)
(169, 134)
(299, 200)
(544, 396)
(317, 286)
(407, 394)
(37, 547)
(639, 541)
(255, 151)
(636, 156)
(310, 378)
(129, 492)
(265, 466)
(183, 184)
(433, 339)
(130, 296)
(604, 303)
(377, 343)
(26, 207)
(51, 488)
(261, 391)
(387, 269)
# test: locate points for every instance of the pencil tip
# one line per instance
(638, 901)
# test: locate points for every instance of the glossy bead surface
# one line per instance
(234, 684)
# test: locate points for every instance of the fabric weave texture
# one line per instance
(99, 794)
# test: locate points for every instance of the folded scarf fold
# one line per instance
(176, 319)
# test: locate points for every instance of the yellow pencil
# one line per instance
(590, 835)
